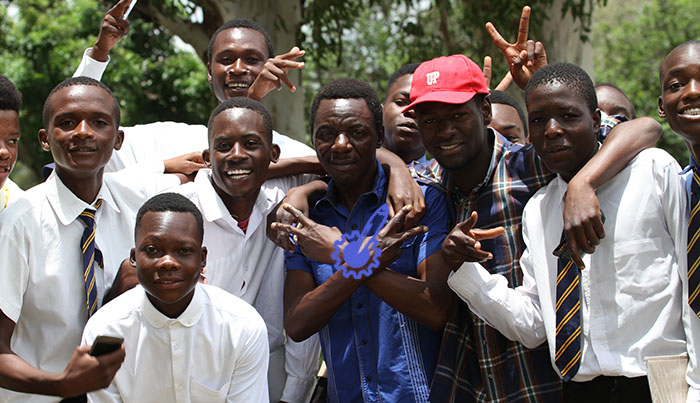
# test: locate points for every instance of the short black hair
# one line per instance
(349, 88)
(500, 97)
(241, 23)
(569, 74)
(245, 103)
(170, 202)
(10, 98)
(73, 81)
(409, 68)
(693, 42)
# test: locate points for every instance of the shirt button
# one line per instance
(353, 226)
(363, 342)
(368, 379)
(359, 305)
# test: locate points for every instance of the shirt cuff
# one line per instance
(297, 389)
(468, 280)
(90, 67)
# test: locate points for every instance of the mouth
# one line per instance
(238, 174)
(409, 127)
(447, 147)
(237, 86)
(167, 282)
(690, 112)
(556, 149)
(82, 149)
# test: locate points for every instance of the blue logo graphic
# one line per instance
(358, 253)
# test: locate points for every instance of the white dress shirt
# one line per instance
(250, 266)
(149, 144)
(632, 302)
(41, 282)
(9, 193)
(215, 351)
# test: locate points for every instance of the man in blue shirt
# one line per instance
(380, 332)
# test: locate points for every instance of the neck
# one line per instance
(567, 176)
(468, 177)
(85, 188)
(694, 152)
(349, 193)
(238, 207)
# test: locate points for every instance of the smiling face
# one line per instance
(455, 134)
(240, 152)
(346, 141)
(505, 120)
(82, 131)
(9, 137)
(679, 102)
(238, 56)
(562, 128)
(168, 259)
(400, 129)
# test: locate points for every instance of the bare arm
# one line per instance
(83, 373)
(295, 166)
(114, 27)
(582, 217)
(403, 190)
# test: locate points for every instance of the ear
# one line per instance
(205, 157)
(132, 258)
(44, 140)
(275, 153)
(204, 256)
(380, 137)
(120, 140)
(209, 73)
(596, 121)
(660, 110)
(486, 110)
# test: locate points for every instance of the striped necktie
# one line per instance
(568, 314)
(90, 255)
(693, 247)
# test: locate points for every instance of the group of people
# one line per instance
(536, 259)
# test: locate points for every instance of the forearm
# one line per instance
(295, 166)
(387, 157)
(16, 374)
(623, 143)
(312, 311)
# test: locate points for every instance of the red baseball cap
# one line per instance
(450, 79)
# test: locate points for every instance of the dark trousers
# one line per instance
(608, 389)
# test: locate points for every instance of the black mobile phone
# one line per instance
(105, 345)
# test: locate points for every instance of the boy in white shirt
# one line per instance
(185, 342)
(602, 321)
(10, 102)
(62, 244)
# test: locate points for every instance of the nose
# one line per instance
(552, 129)
(82, 129)
(238, 67)
(4, 152)
(411, 113)
(341, 144)
(167, 262)
(693, 89)
(446, 128)
(237, 152)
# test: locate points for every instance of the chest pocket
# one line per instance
(202, 393)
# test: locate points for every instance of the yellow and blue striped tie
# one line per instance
(568, 315)
(90, 255)
(693, 246)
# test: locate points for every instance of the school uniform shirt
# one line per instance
(41, 282)
(251, 267)
(149, 144)
(215, 351)
(632, 302)
(375, 353)
(9, 193)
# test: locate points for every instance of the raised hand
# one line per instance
(524, 57)
(274, 73)
(315, 241)
(394, 234)
(462, 243)
(505, 81)
(114, 27)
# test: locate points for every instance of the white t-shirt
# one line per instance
(41, 285)
(9, 193)
(215, 351)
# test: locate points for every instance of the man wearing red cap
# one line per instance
(488, 183)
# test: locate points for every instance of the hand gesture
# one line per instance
(404, 191)
(315, 241)
(85, 373)
(525, 56)
(185, 164)
(392, 236)
(114, 27)
(505, 81)
(583, 221)
(274, 73)
(462, 243)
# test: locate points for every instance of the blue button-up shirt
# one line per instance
(374, 352)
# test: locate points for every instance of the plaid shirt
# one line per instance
(476, 362)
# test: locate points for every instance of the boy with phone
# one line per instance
(204, 343)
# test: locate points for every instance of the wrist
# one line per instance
(99, 53)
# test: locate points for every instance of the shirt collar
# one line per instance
(188, 318)
(67, 205)
(378, 190)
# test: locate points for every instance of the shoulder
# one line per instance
(114, 314)
(230, 307)
(291, 147)
(163, 128)
(655, 156)
(32, 203)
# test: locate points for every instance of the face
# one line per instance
(82, 131)
(613, 102)
(679, 102)
(454, 134)
(239, 153)
(562, 128)
(168, 259)
(238, 56)
(400, 129)
(9, 138)
(505, 120)
(345, 139)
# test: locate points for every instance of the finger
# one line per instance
(408, 235)
(490, 233)
(397, 222)
(598, 227)
(120, 8)
(487, 71)
(293, 53)
(591, 236)
(524, 27)
(286, 64)
(392, 212)
(540, 55)
(520, 60)
(573, 248)
(505, 82)
(285, 79)
(496, 37)
(466, 225)
(298, 215)
(530, 52)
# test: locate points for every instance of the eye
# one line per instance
(224, 60)
(674, 86)
(150, 249)
(323, 135)
(358, 132)
(429, 121)
(66, 123)
(186, 251)
(458, 115)
(13, 141)
(223, 147)
(101, 123)
(252, 144)
(401, 102)
(253, 60)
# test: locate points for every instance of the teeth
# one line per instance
(448, 147)
(237, 85)
(238, 172)
(166, 282)
(691, 111)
